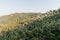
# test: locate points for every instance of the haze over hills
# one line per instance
(17, 18)
(11, 6)
(31, 26)
(29, 19)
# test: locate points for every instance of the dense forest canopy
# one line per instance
(31, 26)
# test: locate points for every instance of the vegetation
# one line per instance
(31, 26)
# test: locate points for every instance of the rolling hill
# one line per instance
(39, 26)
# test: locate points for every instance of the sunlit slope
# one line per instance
(15, 19)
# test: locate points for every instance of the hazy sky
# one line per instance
(12, 6)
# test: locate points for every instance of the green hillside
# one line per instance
(37, 26)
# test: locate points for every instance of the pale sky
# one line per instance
(12, 6)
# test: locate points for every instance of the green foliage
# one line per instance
(44, 28)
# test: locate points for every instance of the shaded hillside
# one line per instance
(45, 29)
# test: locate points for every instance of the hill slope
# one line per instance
(46, 28)
(16, 19)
